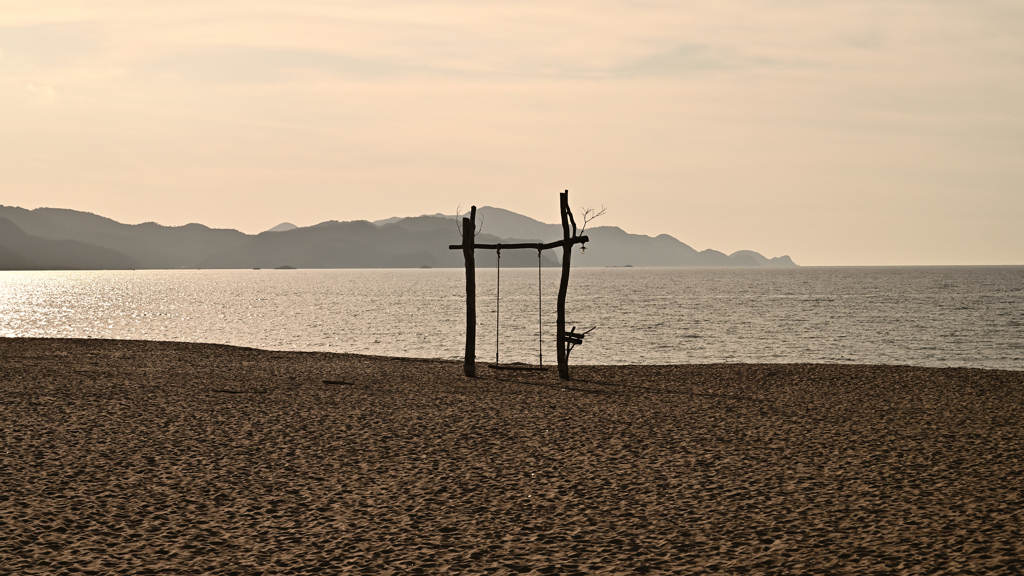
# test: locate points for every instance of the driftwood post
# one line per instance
(563, 286)
(468, 232)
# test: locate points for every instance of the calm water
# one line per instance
(927, 316)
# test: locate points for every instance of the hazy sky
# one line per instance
(838, 132)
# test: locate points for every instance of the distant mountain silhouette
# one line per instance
(612, 246)
(760, 260)
(49, 238)
(21, 251)
(150, 244)
(394, 219)
(408, 243)
(507, 224)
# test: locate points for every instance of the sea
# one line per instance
(970, 316)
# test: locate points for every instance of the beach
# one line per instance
(142, 457)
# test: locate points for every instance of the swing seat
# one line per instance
(518, 366)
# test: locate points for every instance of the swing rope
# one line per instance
(540, 317)
(497, 319)
(540, 312)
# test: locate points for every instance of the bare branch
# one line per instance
(589, 214)
(458, 222)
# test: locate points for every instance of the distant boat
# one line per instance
(255, 268)
(286, 267)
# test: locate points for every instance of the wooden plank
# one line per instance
(537, 246)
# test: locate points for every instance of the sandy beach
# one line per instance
(129, 457)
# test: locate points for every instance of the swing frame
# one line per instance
(468, 247)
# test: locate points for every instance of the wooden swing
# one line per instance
(497, 321)
(468, 247)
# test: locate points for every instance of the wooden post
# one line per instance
(468, 251)
(563, 287)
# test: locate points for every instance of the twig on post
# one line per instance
(588, 215)
(458, 217)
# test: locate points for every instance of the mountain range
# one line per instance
(62, 239)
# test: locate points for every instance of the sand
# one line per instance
(127, 457)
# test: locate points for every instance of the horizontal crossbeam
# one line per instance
(536, 246)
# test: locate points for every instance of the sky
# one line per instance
(850, 132)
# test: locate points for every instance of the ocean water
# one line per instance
(923, 316)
